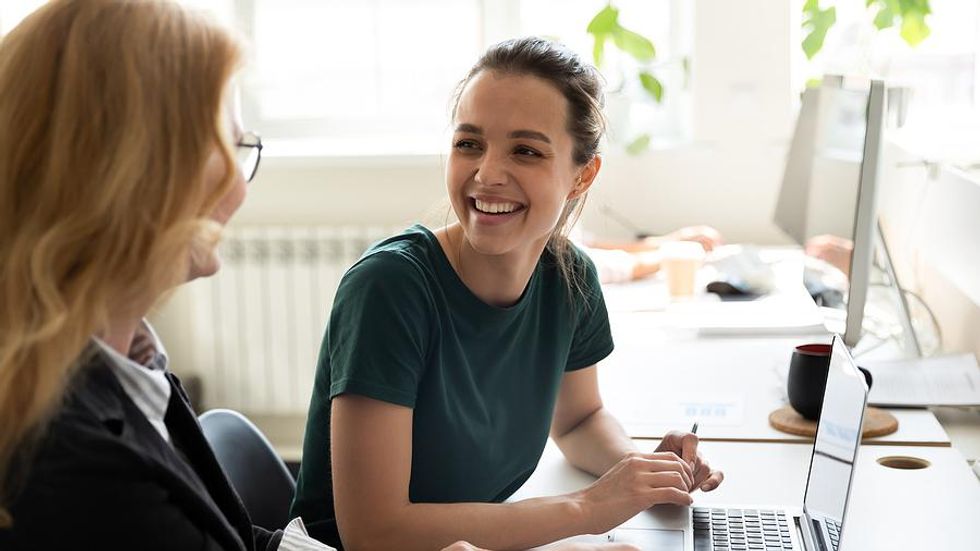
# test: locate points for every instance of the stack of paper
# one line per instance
(938, 381)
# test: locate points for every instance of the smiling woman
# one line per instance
(451, 355)
(553, 104)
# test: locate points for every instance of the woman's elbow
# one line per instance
(371, 535)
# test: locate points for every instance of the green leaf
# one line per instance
(915, 6)
(814, 83)
(601, 27)
(652, 86)
(599, 49)
(914, 28)
(817, 22)
(639, 145)
(604, 22)
(885, 18)
(634, 44)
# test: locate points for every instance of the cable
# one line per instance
(932, 315)
(921, 301)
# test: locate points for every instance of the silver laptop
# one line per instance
(816, 526)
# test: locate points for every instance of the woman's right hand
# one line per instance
(639, 481)
(464, 546)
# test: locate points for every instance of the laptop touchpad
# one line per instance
(650, 538)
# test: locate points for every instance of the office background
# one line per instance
(352, 101)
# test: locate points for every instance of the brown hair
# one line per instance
(581, 85)
(109, 110)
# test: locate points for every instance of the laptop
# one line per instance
(815, 525)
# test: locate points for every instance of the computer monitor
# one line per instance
(830, 181)
(866, 219)
(790, 214)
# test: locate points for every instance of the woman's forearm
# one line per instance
(499, 526)
(595, 444)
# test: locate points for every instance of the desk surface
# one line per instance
(932, 508)
(963, 426)
(661, 378)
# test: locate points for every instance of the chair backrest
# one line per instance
(255, 469)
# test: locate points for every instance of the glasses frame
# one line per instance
(251, 140)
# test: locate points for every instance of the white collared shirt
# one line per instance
(146, 385)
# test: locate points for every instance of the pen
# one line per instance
(694, 430)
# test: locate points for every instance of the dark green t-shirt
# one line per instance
(482, 380)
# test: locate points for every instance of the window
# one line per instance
(372, 77)
(376, 77)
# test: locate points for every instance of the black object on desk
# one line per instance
(732, 289)
(807, 381)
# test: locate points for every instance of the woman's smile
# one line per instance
(493, 211)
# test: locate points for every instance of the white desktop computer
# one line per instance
(829, 193)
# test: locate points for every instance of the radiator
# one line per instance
(254, 329)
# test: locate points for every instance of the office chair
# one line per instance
(256, 471)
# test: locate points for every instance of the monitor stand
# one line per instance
(910, 342)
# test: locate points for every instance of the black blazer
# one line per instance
(101, 477)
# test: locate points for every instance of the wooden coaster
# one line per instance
(877, 422)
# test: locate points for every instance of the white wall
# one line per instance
(931, 220)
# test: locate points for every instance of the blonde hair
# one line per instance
(109, 110)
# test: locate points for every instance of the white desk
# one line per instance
(661, 378)
(933, 508)
(963, 426)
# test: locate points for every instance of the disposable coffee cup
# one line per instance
(680, 261)
(807, 381)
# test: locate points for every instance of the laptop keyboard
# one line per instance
(833, 528)
(740, 530)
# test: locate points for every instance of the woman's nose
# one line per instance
(492, 170)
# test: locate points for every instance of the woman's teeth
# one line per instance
(496, 208)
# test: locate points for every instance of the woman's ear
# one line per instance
(586, 177)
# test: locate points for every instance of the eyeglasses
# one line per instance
(249, 153)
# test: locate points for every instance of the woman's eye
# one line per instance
(466, 144)
(526, 152)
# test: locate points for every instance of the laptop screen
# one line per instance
(836, 445)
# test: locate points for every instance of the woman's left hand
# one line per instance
(685, 444)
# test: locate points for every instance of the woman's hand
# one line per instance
(832, 249)
(639, 481)
(708, 237)
(464, 546)
(685, 444)
(591, 547)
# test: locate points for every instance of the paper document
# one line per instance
(680, 412)
(938, 381)
(769, 316)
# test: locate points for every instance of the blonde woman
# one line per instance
(120, 159)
